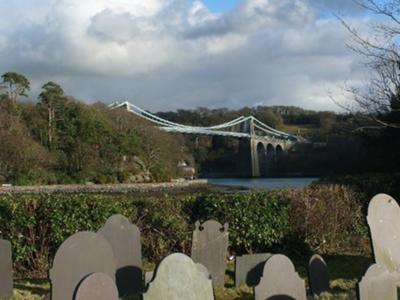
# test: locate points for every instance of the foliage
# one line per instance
(369, 184)
(379, 100)
(325, 219)
(60, 140)
(15, 85)
(256, 220)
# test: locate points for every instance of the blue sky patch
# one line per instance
(220, 5)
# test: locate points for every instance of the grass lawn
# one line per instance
(344, 272)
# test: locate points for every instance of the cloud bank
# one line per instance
(169, 54)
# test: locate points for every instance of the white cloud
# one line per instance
(167, 54)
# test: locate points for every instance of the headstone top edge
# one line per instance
(377, 199)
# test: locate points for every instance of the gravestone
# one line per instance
(249, 268)
(384, 223)
(318, 275)
(124, 239)
(96, 286)
(378, 284)
(148, 276)
(280, 281)
(177, 277)
(6, 275)
(78, 256)
(209, 248)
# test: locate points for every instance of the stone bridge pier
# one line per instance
(264, 153)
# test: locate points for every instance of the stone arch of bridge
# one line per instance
(262, 158)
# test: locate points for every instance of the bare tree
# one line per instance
(379, 100)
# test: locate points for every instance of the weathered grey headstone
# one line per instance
(378, 284)
(6, 275)
(78, 256)
(249, 268)
(280, 281)
(318, 275)
(96, 286)
(209, 248)
(384, 223)
(177, 277)
(124, 239)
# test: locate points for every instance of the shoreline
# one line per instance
(129, 188)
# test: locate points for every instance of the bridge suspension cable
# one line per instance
(210, 130)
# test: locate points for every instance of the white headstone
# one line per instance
(177, 277)
(384, 223)
(378, 284)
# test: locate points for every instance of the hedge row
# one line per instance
(326, 219)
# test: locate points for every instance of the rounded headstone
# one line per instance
(124, 239)
(384, 223)
(378, 283)
(97, 286)
(177, 277)
(78, 256)
(318, 275)
(280, 280)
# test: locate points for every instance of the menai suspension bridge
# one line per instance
(261, 140)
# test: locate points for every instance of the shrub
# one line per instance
(256, 220)
(329, 219)
(325, 219)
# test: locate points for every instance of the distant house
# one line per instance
(185, 171)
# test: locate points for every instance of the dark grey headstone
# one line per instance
(384, 223)
(177, 277)
(378, 283)
(124, 239)
(6, 275)
(318, 275)
(209, 248)
(249, 268)
(78, 256)
(96, 286)
(280, 281)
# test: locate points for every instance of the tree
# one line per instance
(51, 99)
(15, 85)
(379, 100)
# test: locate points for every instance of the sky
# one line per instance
(169, 54)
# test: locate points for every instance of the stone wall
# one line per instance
(105, 188)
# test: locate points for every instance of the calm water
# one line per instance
(264, 183)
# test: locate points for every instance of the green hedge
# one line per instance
(36, 225)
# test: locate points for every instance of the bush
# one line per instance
(256, 220)
(325, 219)
(329, 219)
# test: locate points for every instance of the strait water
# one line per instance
(264, 183)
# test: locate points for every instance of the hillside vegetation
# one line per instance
(339, 143)
(57, 139)
(61, 140)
